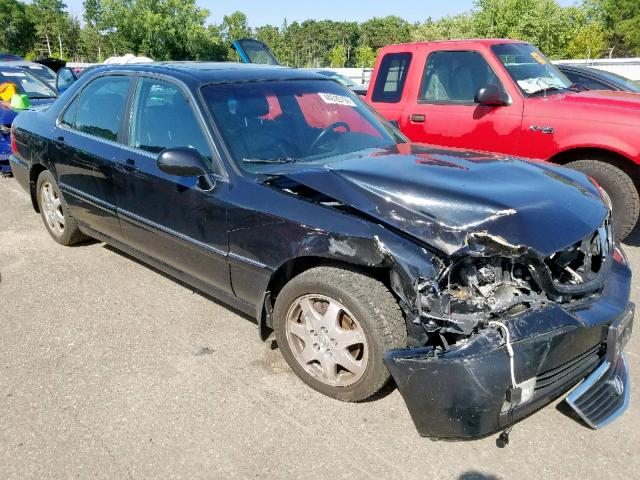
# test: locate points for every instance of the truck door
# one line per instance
(387, 93)
(444, 111)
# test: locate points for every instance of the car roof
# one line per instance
(471, 41)
(214, 72)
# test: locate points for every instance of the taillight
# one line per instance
(14, 145)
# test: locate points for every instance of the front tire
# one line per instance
(59, 222)
(621, 189)
(333, 326)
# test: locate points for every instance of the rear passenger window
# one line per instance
(455, 77)
(162, 118)
(101, 106)
(391, 77)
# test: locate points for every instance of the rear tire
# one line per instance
(333, 326)
(56, 217)
(621, 189)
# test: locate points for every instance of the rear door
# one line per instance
(86, 146)
(443, 110)
(387, 94)
(171, 218)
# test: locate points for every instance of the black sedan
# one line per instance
(594, 79)
(485, 286)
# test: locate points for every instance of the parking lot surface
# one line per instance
(109, 369)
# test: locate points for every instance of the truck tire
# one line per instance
(621, 189)
(54, 210)
(333, 326)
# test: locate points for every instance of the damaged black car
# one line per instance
(485, 287)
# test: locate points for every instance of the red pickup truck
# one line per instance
(504, 96)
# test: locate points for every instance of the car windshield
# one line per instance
(530, 69)
(27, 84)
(42, 72)
(276, 122)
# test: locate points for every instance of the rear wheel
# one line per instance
(333, 326)
(59, 222)
(621, 189)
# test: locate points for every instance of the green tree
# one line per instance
(621, 20)
(18, 30)
(365, 57)
(50, 19)
(337, 56)
(234, 27)
(378, 32)
(447, 28)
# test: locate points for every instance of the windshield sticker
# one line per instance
(333, 99)
(538, 58)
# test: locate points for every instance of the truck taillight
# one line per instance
(14, 145)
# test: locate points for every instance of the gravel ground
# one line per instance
(110, 369)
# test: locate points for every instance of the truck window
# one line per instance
(391, 77)
(455, 77)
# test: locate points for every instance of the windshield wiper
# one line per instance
(270, 160)
(554, 88)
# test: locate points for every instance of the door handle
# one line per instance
(418, 118)
(59, 142)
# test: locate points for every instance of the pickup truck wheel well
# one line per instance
(34, 173)
(620, 161)
(296, 266)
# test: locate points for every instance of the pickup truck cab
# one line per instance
(504, 96)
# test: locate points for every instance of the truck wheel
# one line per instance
(622, 191)
(62, 227)
(333, 326)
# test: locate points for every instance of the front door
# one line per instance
(85, 149)
(171, 218)
(445, 113)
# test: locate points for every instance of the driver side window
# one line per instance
(162, 118)
(455, 77)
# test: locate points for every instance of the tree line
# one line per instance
(179, 30)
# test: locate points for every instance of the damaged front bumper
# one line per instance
(464, 392)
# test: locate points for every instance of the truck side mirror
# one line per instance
(490, 96)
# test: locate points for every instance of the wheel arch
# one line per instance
(621, 161)
(34, 173)
(297, 265)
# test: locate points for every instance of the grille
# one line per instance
(572, 370)
(605, 396)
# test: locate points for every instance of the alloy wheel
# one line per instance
(51, 205)
(327, 340)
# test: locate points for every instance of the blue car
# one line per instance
(40, 95)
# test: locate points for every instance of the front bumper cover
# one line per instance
(461, 393)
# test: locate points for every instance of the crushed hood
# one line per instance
(446, 198)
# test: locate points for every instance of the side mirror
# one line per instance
(185, 162)
(65, 78)
(490, 96)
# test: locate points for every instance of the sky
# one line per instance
(262, 12)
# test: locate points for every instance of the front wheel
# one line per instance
(625, 201)
(333, 326)
(55, 212)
